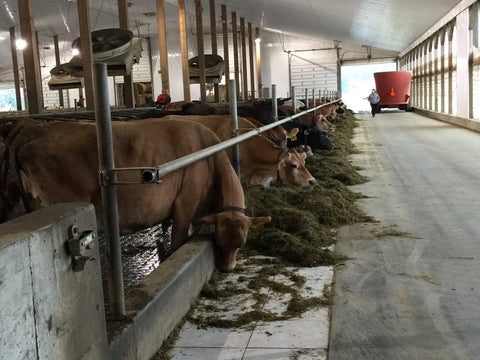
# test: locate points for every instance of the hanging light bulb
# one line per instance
(20, 44)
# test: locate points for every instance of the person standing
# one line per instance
(373, 98)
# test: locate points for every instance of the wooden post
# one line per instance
(162, 45)
(244, 60)
(86, 51)
(128, 92)
(30, 58)
(442, 72)
(435, 72)
(213, 31)
(259, 63)
(184, 49)
(57, 62)
(252, 69)
(226, 56)
(201, 54)
(425, 76)
(235, 53)
(431, 58)
(450, 70)
(16, 75)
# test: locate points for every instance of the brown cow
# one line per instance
(309, 119)
(261, 161)
(58, 162)
(278, 134)
(328, 114)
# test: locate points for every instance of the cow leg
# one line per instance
(161, 240)
(183, 213)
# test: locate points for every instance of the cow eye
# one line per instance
(295, 166)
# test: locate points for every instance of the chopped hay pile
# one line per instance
(304, 221)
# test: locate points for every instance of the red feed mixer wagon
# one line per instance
(393, 87)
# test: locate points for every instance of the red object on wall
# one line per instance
(163, 99)
(386, 82)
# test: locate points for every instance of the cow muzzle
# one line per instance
(311, 182)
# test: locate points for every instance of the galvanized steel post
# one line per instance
(313, 94)
(294, 99)
(274, 103)
(234, 126)
(109, 195)
(306, 98)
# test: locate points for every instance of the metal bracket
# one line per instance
(78, 244)
(148, 175)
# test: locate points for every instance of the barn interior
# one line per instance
(308, 37)
(275, 49)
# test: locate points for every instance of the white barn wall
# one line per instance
(319, 62)
(274, 64)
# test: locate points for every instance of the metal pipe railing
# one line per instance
(174, 165)
(109, 178)
(109, 195)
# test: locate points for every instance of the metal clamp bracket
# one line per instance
(78, 244)
(147, 175)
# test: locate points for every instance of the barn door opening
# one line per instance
(358, 82)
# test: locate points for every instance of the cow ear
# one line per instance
(303, 155)
(292, 133)
(256, 222)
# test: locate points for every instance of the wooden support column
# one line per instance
(450, 70)
(435, 72)
(252, 69)
(431, 57)
(162, 45)
(128, 92)
(39, 70)
(16, 75)
(184, 49)
(235, 54)
(57, 62)
(244, 60)
(259, 63)
(425, 76)
(419, 76)
(213, 31)
(411, 67)
(442, 72)
(30, 58)
(201, 53)
(86, 51)
(226, 56)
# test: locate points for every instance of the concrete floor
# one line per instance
(411, 289)
(304, 338)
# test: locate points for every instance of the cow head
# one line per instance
(278, 135)
(292, 170)
(312, 136)
(317, 139)
(231, 233)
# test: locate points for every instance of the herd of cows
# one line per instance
(52, 162)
